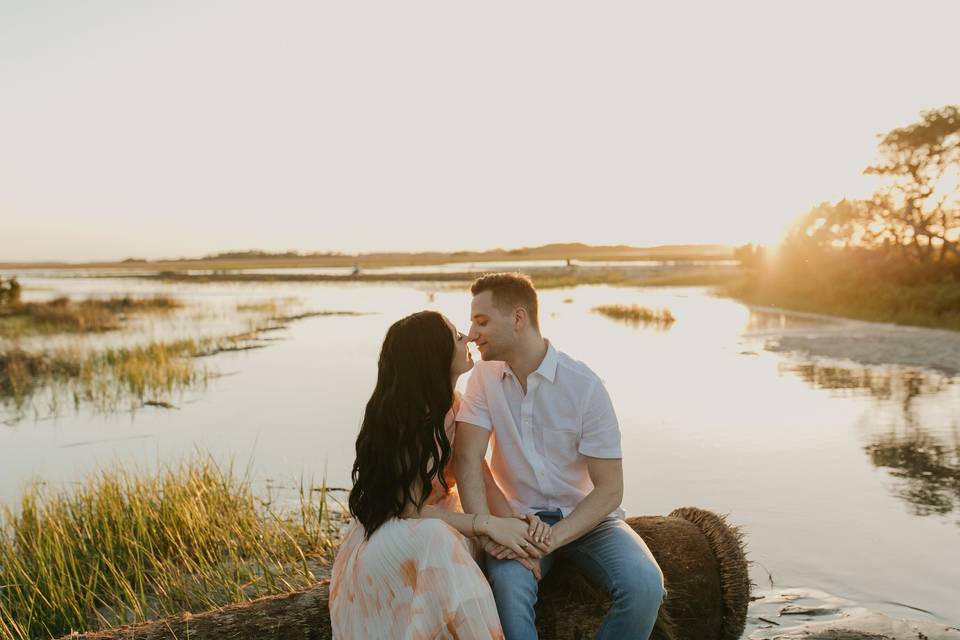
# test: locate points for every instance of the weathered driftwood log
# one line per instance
(702, 559)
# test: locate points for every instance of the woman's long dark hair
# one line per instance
(402, 438)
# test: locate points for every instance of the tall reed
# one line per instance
(125, 547)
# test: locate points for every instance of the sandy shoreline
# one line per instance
(866, 343)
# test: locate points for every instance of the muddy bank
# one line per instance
(866, 343)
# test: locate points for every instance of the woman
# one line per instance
(405, 568)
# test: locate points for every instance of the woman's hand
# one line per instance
(538, 531)
(510, 533)
(501, 552)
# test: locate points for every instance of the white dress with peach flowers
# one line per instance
(414, 579)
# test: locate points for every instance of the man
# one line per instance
(555, 453)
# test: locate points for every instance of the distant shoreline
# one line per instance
(257, 259)
(543, 277)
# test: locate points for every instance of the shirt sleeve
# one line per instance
(601, 431)
(473, 404)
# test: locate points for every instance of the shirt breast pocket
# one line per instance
(562, 442)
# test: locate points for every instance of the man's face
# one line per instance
(491, 329)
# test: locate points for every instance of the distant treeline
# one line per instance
(894, 256)
(576, 250)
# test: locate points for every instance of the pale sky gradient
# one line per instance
(165, 129)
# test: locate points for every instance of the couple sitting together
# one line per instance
(431, 517)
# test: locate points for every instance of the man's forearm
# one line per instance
(588, 514)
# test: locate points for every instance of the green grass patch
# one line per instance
(125, 547)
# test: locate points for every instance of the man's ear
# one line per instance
(519, 318)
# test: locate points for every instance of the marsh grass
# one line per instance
(135, 376)
(272, 308)
(637, 315)
(106, 379)
(63, 315)
(124, 546)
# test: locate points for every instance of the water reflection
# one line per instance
(898, 384)
(923, 458)
(761, 320)
(928, 469)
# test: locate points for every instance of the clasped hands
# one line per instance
(521, 537)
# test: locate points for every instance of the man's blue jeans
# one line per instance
(612, 556)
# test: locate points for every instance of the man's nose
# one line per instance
(473, 335)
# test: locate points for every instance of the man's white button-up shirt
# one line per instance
(541, 438)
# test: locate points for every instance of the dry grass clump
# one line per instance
(638, 315)
(63, 315)
(126, 547)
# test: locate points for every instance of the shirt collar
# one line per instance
(547, 368)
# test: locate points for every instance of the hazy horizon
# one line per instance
(308, 253)
(184, 129)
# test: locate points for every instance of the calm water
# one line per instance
(846, 478)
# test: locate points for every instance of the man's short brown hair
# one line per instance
(509, 291)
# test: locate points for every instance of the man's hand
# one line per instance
(534, 565)
(498, 551)
(607, 477)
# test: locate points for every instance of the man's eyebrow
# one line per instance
(478, 315)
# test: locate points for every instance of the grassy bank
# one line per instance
(860, 296)
(63, 315)
(126, 547)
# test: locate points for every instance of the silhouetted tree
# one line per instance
(916, 214)
(920, 208)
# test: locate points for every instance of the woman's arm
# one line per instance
(511, 532)
(496, 501)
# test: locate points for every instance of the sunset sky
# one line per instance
(165, 129)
